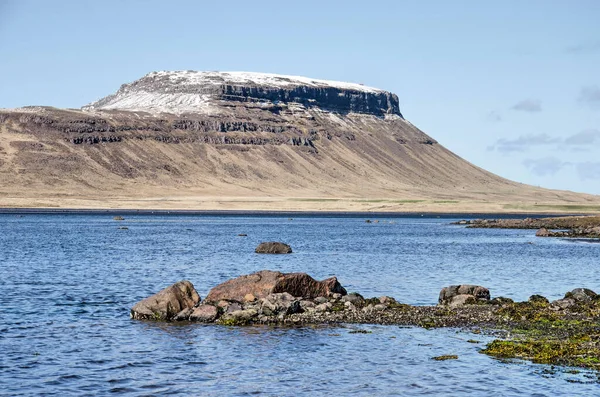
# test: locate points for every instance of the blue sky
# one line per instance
(511, 86)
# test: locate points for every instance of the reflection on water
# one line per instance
(68, 282)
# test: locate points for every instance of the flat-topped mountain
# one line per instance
(196, 92)
(237, 140)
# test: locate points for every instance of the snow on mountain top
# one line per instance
(264, 79)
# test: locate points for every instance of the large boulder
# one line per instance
(303, 285)
(273, 247)
(457, 295)
(266, 282)
(167, 303)
(581, 295)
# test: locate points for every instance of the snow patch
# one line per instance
(265, 79)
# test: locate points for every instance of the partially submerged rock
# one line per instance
(273, 247)
(465, 294)
(166, 304)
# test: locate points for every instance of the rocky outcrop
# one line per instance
(577, 226)
(458, 295)
(259, 285)
(188, 91)
(166, 304)
(301, 284)
(273, 247)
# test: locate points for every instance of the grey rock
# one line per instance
(320, 299)
(581, 295)
(479, 293)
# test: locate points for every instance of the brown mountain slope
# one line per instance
(251, 155)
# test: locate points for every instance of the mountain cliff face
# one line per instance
(192, 92)
(177, 139)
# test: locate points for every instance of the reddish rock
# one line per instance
(204, 313)
(273, 247)
(301, 284)
(167, 303)
(266, 282)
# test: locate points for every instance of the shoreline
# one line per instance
(276, 213)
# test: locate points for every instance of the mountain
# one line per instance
(238, 140)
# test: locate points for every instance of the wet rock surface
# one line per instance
(273, 247)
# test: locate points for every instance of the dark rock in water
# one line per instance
(452, 295)
(273, 247)
(204, 314)
(542, 232)
(119, 218)
(581, 295)
(242, 235)
(267, 282)
(167, 303)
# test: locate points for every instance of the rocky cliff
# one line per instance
(193, 92)
(178, 139)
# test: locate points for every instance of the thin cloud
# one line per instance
(545, 166)
(586, 137)
(588, 170)
(583, 48)
(528, 105)
(494, 117)
(522, 143)
(590, 96)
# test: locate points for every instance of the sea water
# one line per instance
(67, 282)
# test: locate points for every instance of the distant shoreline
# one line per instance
(347, 214)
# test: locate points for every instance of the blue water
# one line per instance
(68, 281)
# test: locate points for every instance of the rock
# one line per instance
(461, 300)
(239, 317)
(542, 232)
(323, 307)
(349, 306)
(386, 300)
(479, 293)
(500, 300)
(380, 307)
(581, 295)
(336, 296)
(280, 303)
(353, 297)
(259, 284)
(303, 285)
(183, 315)
(561, 304)
(167, 303)
(539, 299)
(249, 298)
(267, 282)
(204, 314)
(304, 304)
(118, 218)
(273, 247)
(321, 299)
(233, 307)
(242, 235)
